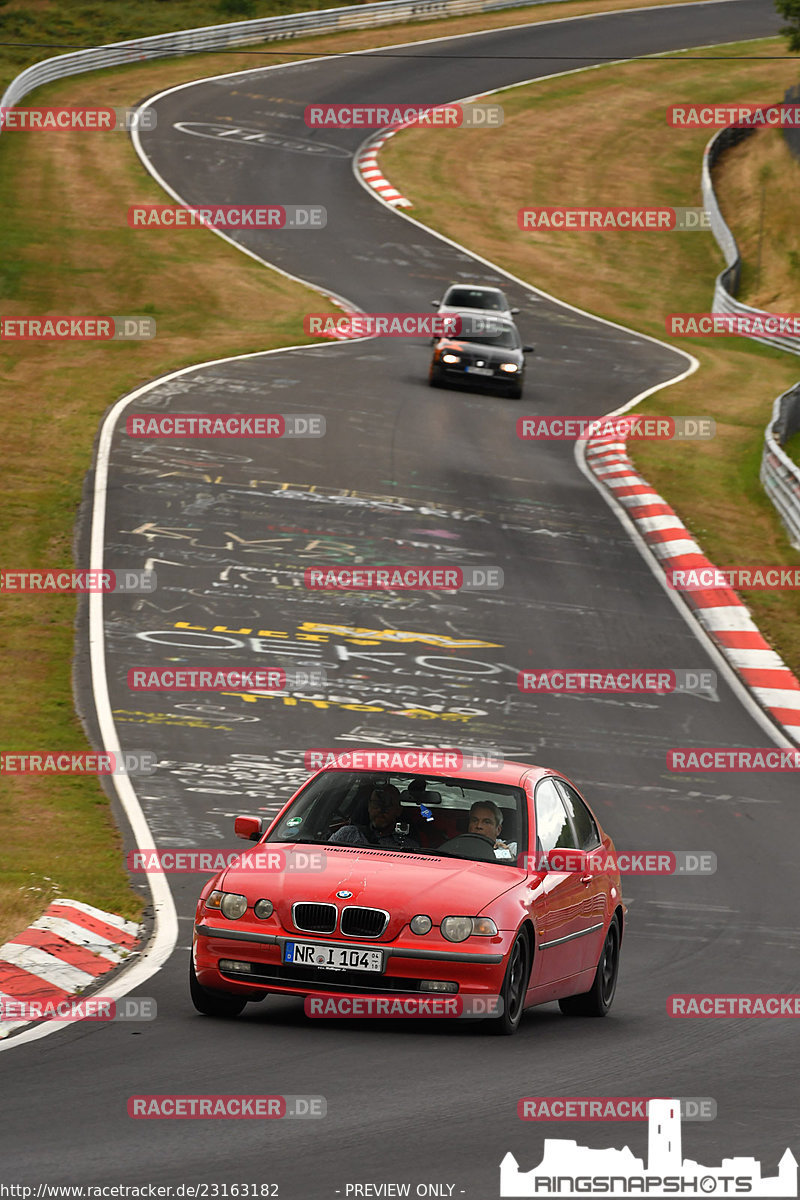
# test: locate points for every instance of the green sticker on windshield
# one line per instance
(294, 821)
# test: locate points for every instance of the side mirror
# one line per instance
(248, 828)
(435, 303)
(514, 311)
(528, 349)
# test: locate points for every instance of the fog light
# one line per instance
(437, 985)
(232, 965)
(421, 924)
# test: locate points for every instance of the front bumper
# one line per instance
(476, 971)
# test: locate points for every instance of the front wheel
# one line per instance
(212, 1004)
(597, 1001)
(515, 985)
(515, 393)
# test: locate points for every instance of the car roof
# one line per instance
(475, 287)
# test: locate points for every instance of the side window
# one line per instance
(586, 832)
(553, 829)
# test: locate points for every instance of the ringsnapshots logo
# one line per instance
(471, 115)
(85, 120)
(398, 324)
(618, 682)
(228, 216)
(623, 428)
(631, 218)
(567, 1169)
(262, 861)
(219, 679)
(65, 762)
(133, 582)
(403, 1006)
(608, 1108)
(414, 761)
(88, 1008)
(77, 329)
(403, 579)
(222, 425)
(226, 1107)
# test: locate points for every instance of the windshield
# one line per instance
(339, 807)
(461, 297)
(506, 339)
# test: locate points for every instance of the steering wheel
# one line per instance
(463, 843)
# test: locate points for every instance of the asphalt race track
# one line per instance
(410, 475)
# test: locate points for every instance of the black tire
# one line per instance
(213, 1004)
(515, 985)
(515, 393)
(435, 380)
(598, 1000)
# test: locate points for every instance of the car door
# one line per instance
(566, 918)
(587, 837)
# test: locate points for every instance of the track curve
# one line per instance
(407, 475)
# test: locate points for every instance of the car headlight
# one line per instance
(451, 358)
(511, 368)
(230, 904)
(263, 909)
(421, 924)
(458, 929)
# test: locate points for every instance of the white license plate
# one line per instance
(480, 370)
(332, 958)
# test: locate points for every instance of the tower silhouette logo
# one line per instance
(568, 1169)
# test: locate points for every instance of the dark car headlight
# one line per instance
(231, 904)
(458, 929)
(451, 358)
(511, 368)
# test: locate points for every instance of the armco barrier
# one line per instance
(779, 475)
(244, 33)
(727, 282)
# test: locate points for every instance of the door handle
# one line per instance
(586, 879)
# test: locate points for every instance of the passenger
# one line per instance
(486, 818)
(385, 813)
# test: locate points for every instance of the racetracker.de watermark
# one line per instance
(209, 679)
(608, 1108)
(403, 1006)
(88, 1008)
(67, 762)
(401, 761)
(745, 1004)
(226, 1107)
(398, 324)
(403, 579)
(626, 862)
(565, 429)
(228, 216)
(94, 580)
(753, 579)
(741, 116)
(77, 329)
(632, 217)
(726, 758)
(626, 681)
(235, 425)
(378, 115)
(733, 324)
(196, 862)
(88, 120)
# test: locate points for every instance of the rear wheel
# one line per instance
(515, 985)
(597, 1001)
(213, 1004)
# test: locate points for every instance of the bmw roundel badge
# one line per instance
(343, 895)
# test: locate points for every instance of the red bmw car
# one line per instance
(455, 883)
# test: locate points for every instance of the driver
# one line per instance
(486, 818)
(385, 812)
